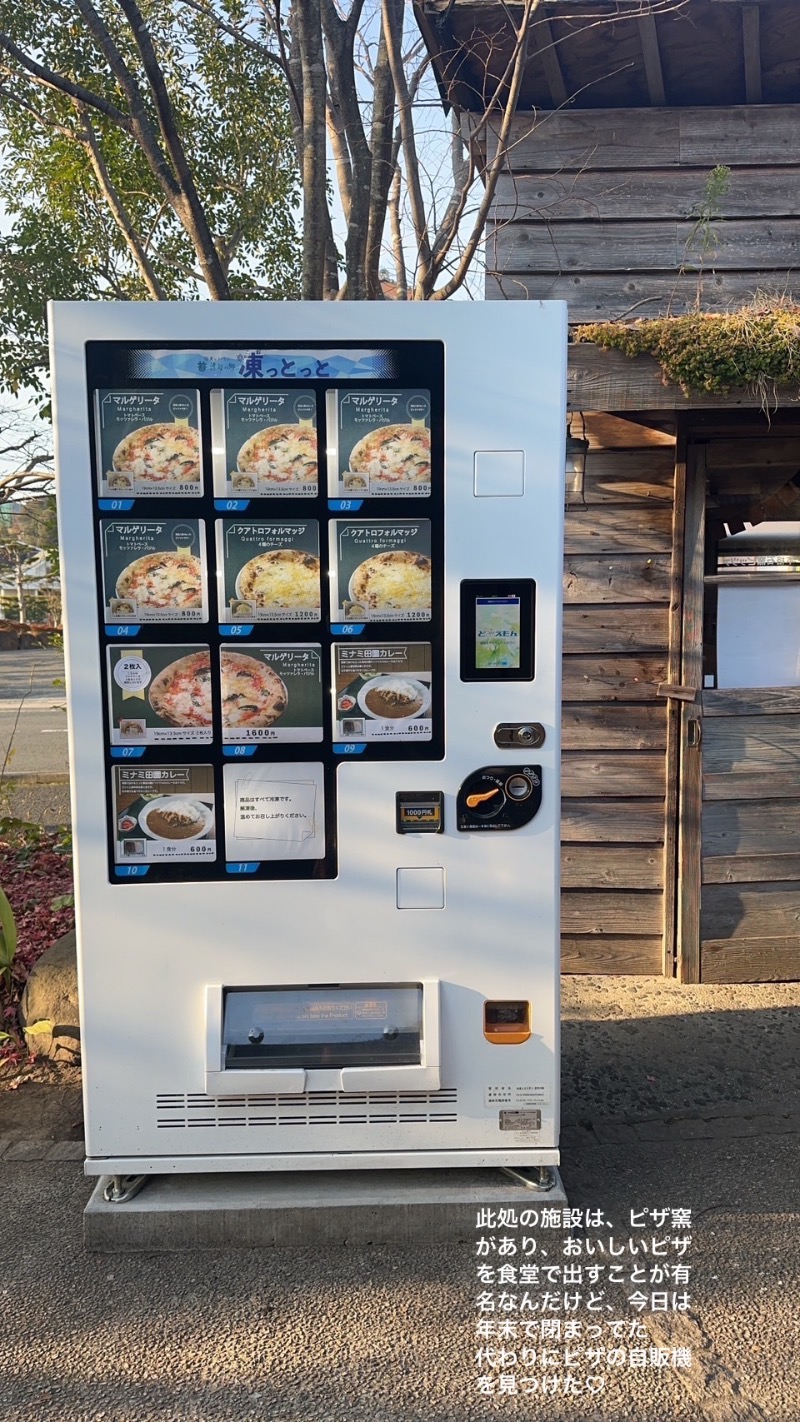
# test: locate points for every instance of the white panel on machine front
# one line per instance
(472, 911)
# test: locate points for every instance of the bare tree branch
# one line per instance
(192, 210)
(117, 208)
(392, 13)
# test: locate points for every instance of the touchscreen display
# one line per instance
(497, 632)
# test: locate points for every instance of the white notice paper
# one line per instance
(758, 635)
(275, 811)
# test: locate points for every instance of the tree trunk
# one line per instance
(307, 29)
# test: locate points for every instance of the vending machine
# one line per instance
(312, 563)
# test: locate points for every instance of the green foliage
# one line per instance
(61, 239)
(756, 348)
(703, 238)
(8, 939)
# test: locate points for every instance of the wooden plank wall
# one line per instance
(617, 594)
(598, 208)
(750, 915)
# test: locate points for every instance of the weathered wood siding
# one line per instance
(750, 909)
(617, 595)
(599, 208)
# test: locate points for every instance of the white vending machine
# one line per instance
(312, 560)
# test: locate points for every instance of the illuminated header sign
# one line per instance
(256, 364)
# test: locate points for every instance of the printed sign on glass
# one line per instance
(383, 570)
(274, 812)
(148, 443)
(159, 695)
(163, 813)
(154, 570)
(271, 693)
(383, 443)
(269, 572)
(265, 442)
(382, 691)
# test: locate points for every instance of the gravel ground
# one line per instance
(675, 1097)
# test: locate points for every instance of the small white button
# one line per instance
(499, 473)
(420, 888)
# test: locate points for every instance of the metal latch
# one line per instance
(694, 733)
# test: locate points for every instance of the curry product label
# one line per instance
(382, 691)
(164, 813)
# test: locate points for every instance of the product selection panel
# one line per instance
(269, 534)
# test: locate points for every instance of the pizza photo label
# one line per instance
(269, 572)
(271, 694)
(383, 443)
(382, 691)
(148, 443)
(154, 570)
(382, 570)
(159, 695)
(265, 443)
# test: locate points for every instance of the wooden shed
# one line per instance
(681, 714)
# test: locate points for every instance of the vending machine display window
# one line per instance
(290, 504)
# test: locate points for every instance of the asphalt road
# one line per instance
(33, 723)
(33, 737)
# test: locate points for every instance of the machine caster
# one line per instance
(121, 1188)
(540, 1177)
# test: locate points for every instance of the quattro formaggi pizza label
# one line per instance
(265, 442)
(383, 443)
(159, 695)
(269, 572)
(383, 570)
(164, 813)
(148, 443)
(271, 693)
(154, 570)
(382, 691)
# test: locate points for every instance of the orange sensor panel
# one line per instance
(506, 1024)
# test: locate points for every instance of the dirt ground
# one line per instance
(41, 1102)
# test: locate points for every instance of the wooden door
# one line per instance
(739, 820)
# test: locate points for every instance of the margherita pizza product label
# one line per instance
(269, 572)
(148, 443)
(271, 693)
(383, 444)
(154, 570)
(163, 813)
(159, 695)
(383, 570)
(382, 691)
(265, 442)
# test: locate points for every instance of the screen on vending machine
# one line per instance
(497, 632)
(269, 534)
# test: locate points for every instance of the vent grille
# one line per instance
(196, 1111)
